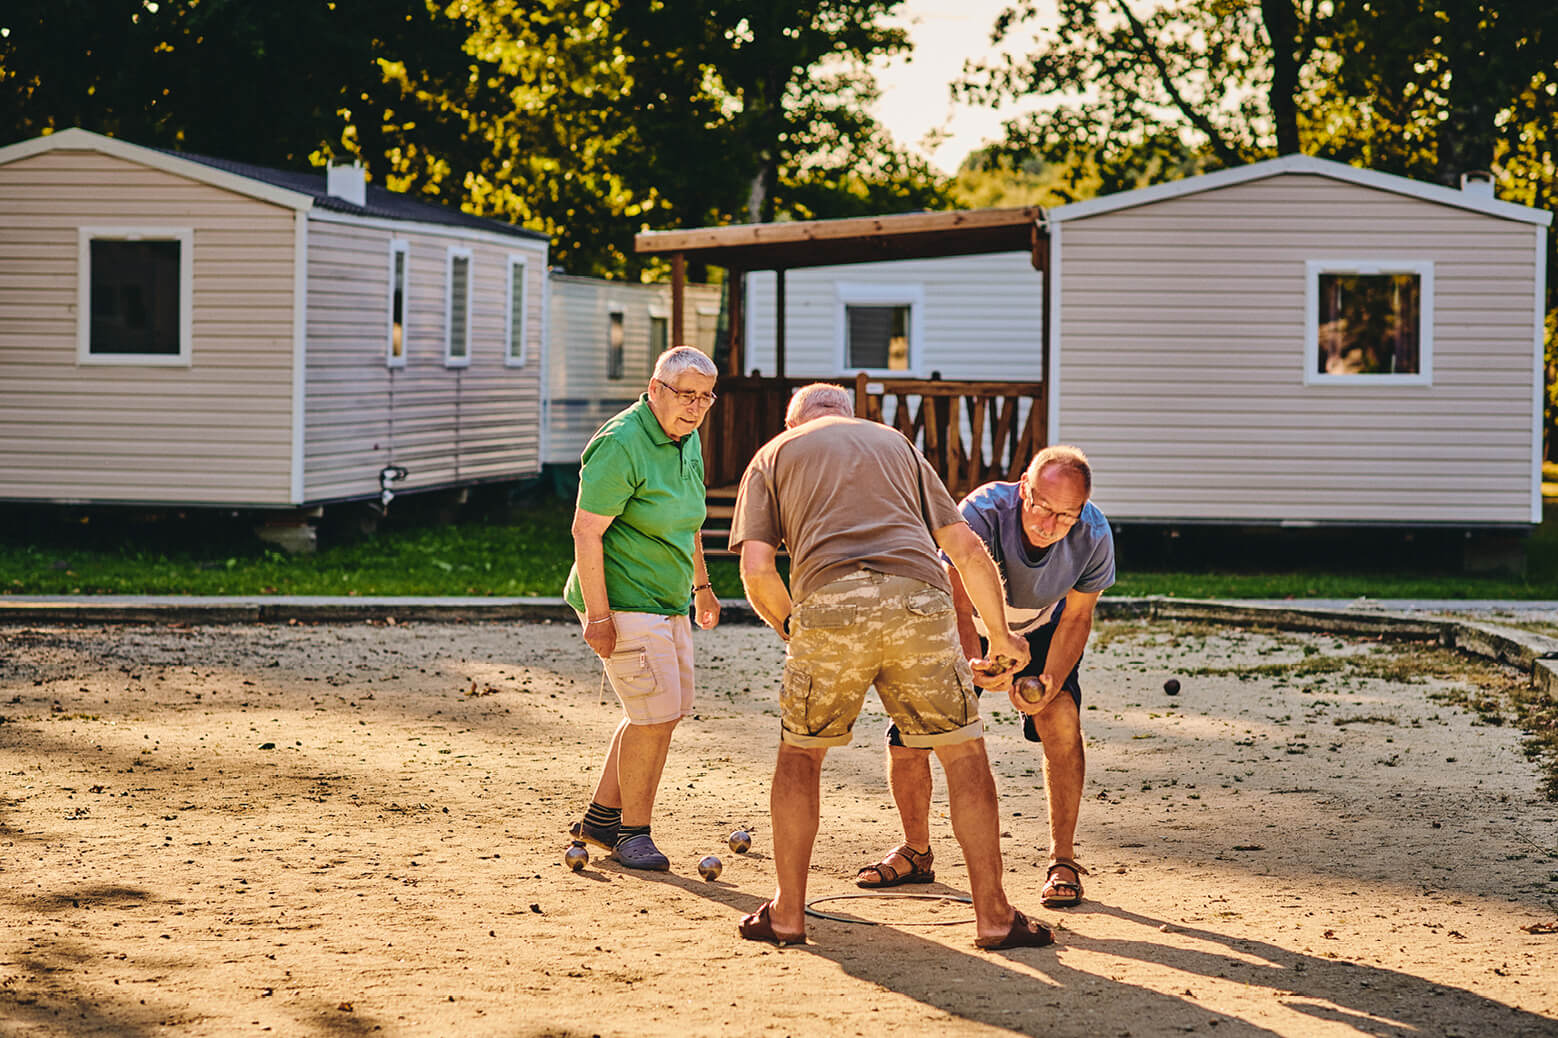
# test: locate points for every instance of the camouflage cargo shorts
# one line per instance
(869, 628)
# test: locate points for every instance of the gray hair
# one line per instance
(1067, 457)
(683, 358)
(817, 400)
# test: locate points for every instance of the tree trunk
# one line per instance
(1466, 136)
(1282, 31)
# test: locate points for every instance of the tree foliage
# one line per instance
(585, 119)
(1137, 97)
(1144, 92)
(257, 82)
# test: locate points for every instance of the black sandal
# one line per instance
(887, 876)
(1059, 893)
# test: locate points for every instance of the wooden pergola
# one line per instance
(752, 405)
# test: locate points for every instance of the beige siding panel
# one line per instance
(444, 425)
(1182, 352)
(582, 397)
(216, 432)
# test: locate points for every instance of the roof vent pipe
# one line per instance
(1477, 182)
(347, 180)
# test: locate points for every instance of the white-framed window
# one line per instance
(395, 341)
(457, 308)
(1369, 322)
(135, 295)
(659, 334)
(616, 340)
(880, 327)
(515, 325)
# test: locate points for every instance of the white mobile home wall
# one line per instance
(1180, 365)
(217, 431)
(981, 317)
(580, 396)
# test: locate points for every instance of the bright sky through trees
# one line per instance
(915, 95)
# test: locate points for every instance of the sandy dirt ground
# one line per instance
(358, 829)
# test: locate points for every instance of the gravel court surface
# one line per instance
(358, 828)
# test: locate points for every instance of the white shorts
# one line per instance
(651, 667)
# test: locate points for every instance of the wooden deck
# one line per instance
(970, 432)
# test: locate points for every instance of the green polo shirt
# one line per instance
(653, 486)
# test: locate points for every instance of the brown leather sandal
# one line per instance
(1022, 934)
(759, 926)
(887, 876)
(1058, 893)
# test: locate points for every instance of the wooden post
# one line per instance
(678, 291)
(735, 282)
(779, 322)
(1041, 259)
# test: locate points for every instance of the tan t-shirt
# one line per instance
(844, 494)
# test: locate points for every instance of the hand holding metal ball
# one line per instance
(1030, 689)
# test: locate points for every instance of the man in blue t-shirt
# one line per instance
(1056, 556)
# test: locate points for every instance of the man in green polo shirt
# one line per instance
(638, 564)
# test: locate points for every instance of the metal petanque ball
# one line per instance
(1030, 689)
(740, 841)
(710, 867)
(1171, 686)
(576, 856)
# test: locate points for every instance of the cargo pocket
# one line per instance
(965, 681)
(929, 602)
(820, 615)
(631, 675)
(795, 699)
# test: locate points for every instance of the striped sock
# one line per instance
(628, 831)
(603, 817)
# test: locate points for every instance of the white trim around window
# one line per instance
(399, 283)
(1423, 269)
(185, 237)
(865, 293)
(616, 341)
(516, 326)
(457, 307)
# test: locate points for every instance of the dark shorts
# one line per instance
(1038, 645)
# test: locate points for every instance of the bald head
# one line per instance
(1062, 456)
(818, 400)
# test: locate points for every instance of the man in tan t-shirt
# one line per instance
(863, 515)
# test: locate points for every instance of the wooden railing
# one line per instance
(1006, 423)
(750, 412)
(1002, 435)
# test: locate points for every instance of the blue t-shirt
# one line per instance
(1037, 581)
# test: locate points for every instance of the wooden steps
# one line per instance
(721, 505)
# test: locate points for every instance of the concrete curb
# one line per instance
(1535, 654)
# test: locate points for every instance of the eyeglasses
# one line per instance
(690, 397)
(1041, 513)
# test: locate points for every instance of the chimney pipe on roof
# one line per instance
(1477, 182)
(347, 180)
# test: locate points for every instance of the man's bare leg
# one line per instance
(976, 823)
(607, 791)
(908, 776)
(641, 751)
(795, 803)
(1065, 768)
